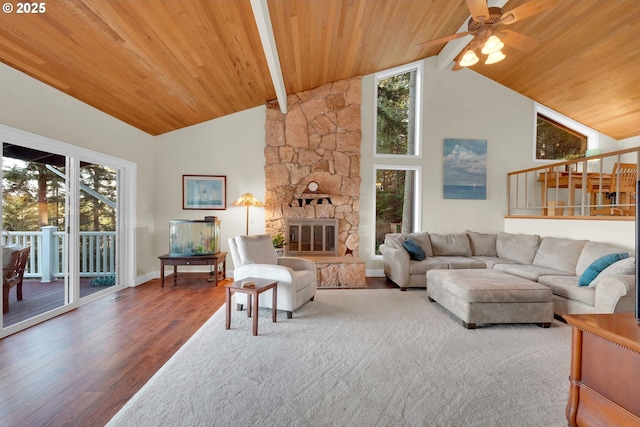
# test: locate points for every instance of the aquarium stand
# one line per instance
(219, 258)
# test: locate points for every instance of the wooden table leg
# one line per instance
(162, 273)
(214, 273)
(175, 275)
(255, 315)
(228, 301)
(274, 303)
(249, 308)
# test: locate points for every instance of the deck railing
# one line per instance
(586, 187)
(48, 246)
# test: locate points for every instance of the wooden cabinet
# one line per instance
(604, 384)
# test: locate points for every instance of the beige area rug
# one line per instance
(360, 358)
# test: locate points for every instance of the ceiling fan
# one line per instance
(489, 37)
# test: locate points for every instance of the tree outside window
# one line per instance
(555, 141)
(396, 112)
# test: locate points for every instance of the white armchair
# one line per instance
(254, 256)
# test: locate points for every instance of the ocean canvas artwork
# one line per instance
(465, 169)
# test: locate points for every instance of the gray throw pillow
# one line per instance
(591, 252)
(422, 239)
(450, 244)
(520, 248)
(559, 254)
(482, 244)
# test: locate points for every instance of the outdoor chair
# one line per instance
(12, 275)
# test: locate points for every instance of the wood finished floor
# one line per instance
(80, 368)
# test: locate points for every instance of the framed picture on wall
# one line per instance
(204, 192)
(465, 169)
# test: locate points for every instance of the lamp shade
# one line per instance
(492, 45)
(247, 199)
(469, 58)
(495, 57)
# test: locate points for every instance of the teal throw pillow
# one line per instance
(414, 249)
(598, 265)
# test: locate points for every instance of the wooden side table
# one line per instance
(213, 259)
(262, 285)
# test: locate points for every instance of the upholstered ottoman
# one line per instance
(486, 296)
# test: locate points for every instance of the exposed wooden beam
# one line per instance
(263, 21)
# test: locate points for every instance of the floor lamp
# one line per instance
(247, 199)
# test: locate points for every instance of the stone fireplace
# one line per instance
(317, 142)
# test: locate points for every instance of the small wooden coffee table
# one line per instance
(262, 285)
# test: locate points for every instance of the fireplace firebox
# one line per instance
(312, 236)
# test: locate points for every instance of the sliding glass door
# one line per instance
(64, 203)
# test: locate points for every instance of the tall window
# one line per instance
(560, 138)
(397, 201)
(398, 102)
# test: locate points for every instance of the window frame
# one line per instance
(593, 137)
(417, 205)
(418, 66)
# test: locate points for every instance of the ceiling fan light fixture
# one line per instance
(495, 57)
(469, 58)
(492, 45)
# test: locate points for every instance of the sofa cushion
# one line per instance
(530, 272)
(482, 244)
(559, 254)
(430, 263)
(491, 261)
(450, 244)
(422, 238)
(591, 252)
(598, 266)
(414, 249)
(517, 247)
(460, 262)
(567, 287)
(256, 249)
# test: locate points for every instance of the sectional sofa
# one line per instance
(584, 276)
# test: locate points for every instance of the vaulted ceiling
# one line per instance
(162, 65)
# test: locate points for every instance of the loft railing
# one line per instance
(597, 186)
(48, 246)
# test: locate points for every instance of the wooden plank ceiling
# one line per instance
(162, 65)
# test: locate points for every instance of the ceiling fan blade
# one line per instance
(517, 40)
(527, 10)
(479, 10)
(441, 40)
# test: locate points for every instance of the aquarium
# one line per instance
(194, 237)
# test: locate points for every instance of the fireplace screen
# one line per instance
(312, 237)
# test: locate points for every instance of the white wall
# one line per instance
(32, 106)
(232, 146)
